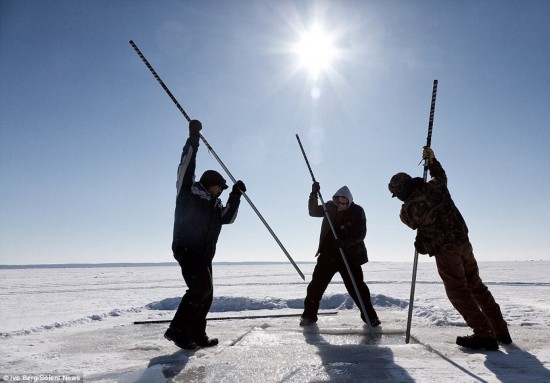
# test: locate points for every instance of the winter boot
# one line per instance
(305, 321)
(504, 338)
(180, 339)
(476, 343)
(205, 341)
(375, 322)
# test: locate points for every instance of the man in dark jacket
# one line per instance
(442, 232)
(198, 219)
(350, 223)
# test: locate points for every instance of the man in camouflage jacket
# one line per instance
(442, 233)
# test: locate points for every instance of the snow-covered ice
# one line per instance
(80, 321)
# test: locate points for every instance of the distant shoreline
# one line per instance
(123, 264)
(153, 264)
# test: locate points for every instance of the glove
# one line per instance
(420, 246)
(315, 188)
(239, 187)
(195, 127)
(428, 153)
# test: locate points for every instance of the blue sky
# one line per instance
(90, 143)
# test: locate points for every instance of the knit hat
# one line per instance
(399, 185)
(211, 178)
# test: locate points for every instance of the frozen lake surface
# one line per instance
(80, 320)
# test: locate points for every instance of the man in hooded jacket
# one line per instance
(442, 232)
(350, 223)
(198, 219)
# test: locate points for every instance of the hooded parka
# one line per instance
(350, 226)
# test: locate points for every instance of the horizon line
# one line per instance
(73, 265)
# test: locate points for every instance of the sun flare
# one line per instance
(315, 51)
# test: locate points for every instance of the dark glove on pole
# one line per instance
(315, 187)
(195, 127)
(239, 188)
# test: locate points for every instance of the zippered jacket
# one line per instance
(199, 216)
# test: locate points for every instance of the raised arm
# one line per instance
(434, 166)
(186, 168)
(315, 210)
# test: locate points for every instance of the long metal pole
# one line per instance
(415, 262)
(238, 317)
(180, 108)
(359, 298)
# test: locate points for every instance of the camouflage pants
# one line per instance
(467, 292)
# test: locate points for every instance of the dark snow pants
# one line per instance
(324, 271)
(190, 317)
(467, 292)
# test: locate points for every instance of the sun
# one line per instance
(315, 50)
